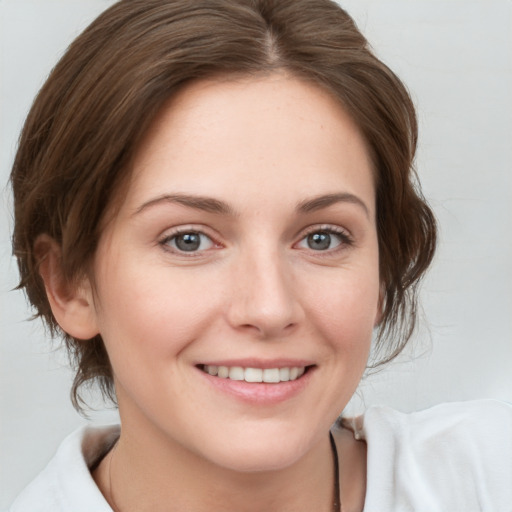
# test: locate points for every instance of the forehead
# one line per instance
(267, 134)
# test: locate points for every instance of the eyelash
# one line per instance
(345, 240)
(168, 238)
(344, 237)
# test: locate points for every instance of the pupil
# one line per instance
(188, 242)
(319, 241)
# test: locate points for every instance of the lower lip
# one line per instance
(260, 393)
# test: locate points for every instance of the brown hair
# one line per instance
(101, 97)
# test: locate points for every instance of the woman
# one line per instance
(215, 204)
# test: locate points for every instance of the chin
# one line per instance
(256, 462)
(260, 450)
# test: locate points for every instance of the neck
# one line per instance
(148, 473)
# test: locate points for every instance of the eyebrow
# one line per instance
(207, 204)
(324, 201)
(211, 205)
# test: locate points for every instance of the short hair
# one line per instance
(101, 97)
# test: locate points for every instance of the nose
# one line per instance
(264, 299)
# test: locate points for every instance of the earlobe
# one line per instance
(72, 304)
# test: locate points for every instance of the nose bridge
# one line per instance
(264, 298)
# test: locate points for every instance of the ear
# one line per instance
(72, 304)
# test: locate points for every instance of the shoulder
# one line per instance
(66, 483)
(484, 422)
(480, 419)
(455, 456)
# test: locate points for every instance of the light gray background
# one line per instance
(456, 58)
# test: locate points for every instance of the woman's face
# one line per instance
(246, 245)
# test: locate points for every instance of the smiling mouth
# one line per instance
(256, 375)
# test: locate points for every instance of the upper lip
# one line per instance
(259, 363)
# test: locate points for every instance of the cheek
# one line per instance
(153, 311)
(345, 308)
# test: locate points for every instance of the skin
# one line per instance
(254, 289)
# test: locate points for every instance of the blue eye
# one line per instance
(189, 241)
(324, 240)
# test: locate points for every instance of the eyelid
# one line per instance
(343, 233)
(346, 238)
(171, 233)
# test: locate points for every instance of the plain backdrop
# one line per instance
(456, 58)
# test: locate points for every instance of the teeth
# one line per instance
(269, 375)
(284, 374)
(253, 375)
(236, 373)
(223, 372)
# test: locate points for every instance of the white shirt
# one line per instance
(453, 457)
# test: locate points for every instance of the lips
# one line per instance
(255, 374)
(258, 382)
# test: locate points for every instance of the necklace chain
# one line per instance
(336, 502)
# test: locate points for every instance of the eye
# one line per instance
(188, 241)
(324, 240)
